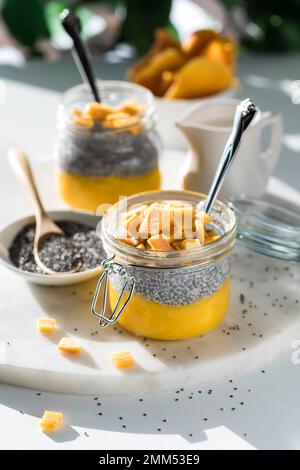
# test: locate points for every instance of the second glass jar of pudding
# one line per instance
(108, 150)
(176, 294)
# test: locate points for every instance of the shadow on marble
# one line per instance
(69, 305)
(66, 434)
(83, 359)
(237, 410)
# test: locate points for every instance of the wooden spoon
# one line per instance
(45, 227)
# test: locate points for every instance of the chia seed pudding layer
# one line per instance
(80, 244)
(176, 287)
(107, 153)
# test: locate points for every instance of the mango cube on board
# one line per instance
(46, 325)
(69, 345)
(122, 359)
(51, 421)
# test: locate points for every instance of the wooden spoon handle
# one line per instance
(21, 166)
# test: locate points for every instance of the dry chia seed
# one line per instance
(59, 253)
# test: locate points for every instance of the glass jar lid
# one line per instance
(267, 228)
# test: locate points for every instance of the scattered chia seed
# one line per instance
(59, 253)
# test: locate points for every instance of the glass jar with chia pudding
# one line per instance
(108, 149)
(176, 285)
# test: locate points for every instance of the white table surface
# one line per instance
(259, 409)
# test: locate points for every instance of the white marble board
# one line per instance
(263, 316)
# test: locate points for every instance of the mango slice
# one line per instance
(46, 325)
(221, 50)
(197, 42)
(122, 359)
(148, 71)
(163, 39)
(150, 74)
(51, 421)
(162, 68)
(200, 77)
(69, 345)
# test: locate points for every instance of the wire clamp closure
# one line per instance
(112, 267)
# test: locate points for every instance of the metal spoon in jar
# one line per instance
(71, 24)
(45, 227)
(244, 115)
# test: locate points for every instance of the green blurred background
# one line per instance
(261, 25)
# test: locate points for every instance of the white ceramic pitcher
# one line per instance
(207, 127)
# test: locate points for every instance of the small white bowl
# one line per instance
(168, 112)
(8, 233)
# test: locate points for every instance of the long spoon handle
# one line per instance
(71, 24)
(244, 115)
(21, 166)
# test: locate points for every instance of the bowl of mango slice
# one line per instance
(182, 74)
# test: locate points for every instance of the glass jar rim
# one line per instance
(105, 86)
(178, 258)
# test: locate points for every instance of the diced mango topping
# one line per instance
(69, 345)
(166, 227)
(199, 224)
(194, 243)
(131, 108)
(141, 246)
(51, 421)
(151, 222)
(46, 325)
(159, 242)
(83, 121)
(122, 359)
(98, 110)
(211, 236)
(132, 225)
(129, 241)
(126, 116)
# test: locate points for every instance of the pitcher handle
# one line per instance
(270, 156)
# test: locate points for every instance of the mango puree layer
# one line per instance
(166, 322)
(88, 192)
